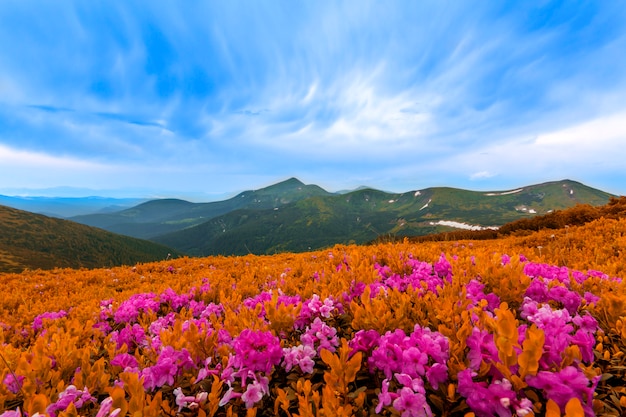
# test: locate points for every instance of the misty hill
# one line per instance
(158, 217)
(33, 241)
(366, 214)
(64, 207)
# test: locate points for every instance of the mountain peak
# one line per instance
(291, 181)
(286, 185)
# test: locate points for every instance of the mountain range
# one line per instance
(292, 216)
(63, 207)
(287, 216)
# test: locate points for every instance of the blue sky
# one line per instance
(206, 98)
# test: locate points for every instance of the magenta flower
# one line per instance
(131, 336)
(126, 361)
(414, 361)
(416, 384)
(256, 351)
(205, 371)
(364, 341)
(320, 334)
(495, 399)
(564, 385)
(385, 397)
(170, 364)
(301, 356)
(12, 383)
(229, 395)
(585, 341)
(254, 393)
(412, 404)
(189, 401)
(175, 301)
(591, 298)
(129, 310)
(106, 409)
(437, 374)
(68, 396)
(443, 268)
(475, 292)
(537, 291)
(12, 413)
(48, 315)
(482, 348)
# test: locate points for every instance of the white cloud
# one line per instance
(595, 147)
(481, 175)
(608, 131)
(14, 158)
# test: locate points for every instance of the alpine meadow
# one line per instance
(531, 323)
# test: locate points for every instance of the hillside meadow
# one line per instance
(523, 325)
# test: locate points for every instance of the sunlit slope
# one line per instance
(599, 245)
(366, 214)
(34, 241)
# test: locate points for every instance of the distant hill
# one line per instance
(158, 217)
(64, 207)
(33, 241)
(363, 215)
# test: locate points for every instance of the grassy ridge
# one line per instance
(35, 241)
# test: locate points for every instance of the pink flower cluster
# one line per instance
(407, 363)
(255, 355)
(410, 365)
(48, 315)
(129, 310)
(554, 308)
(423, 277)
(70, 395)
(169, 365)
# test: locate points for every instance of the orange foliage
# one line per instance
(69, 350)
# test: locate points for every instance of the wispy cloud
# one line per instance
(400, 95)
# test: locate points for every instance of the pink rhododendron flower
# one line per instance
(385, 397)
(68, 396)
(126, 361)
(320, 334)
(411, 404)
(564, 385)
(129, 310)
(176, 301)
(49, 315)
(12, 383)
(106, 409)
(443, 268)
(169, 364)
(301, 356)
(189, 401)
(475, 292)
(131, 336)
(229, 395)
(205, 371)
(437, 374)
(495, 399)
(482, 348)
(364, 341)
(254, 393)
(256, 351)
